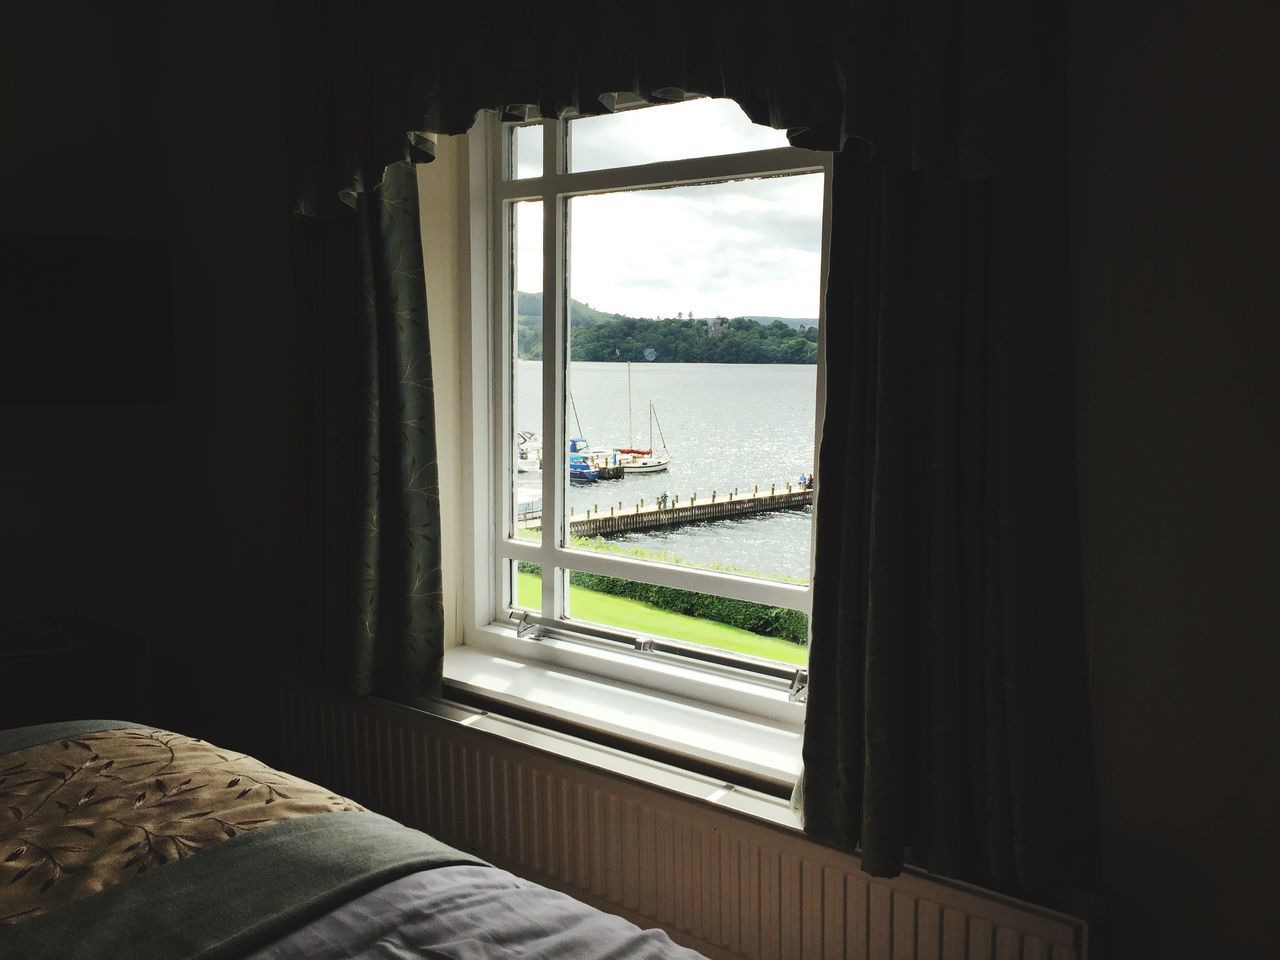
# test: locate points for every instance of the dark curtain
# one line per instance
(372, 613)
(921, 84)
(946, 717)
(947, 711)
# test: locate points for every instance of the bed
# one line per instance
(120, 840)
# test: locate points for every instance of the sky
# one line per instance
(747, 247)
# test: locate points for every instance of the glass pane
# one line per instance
(693, 374)
(675, 131)
(526, 369)
(526, 586)
(526, 151)
(737, 626)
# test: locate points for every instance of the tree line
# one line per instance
(674, 340)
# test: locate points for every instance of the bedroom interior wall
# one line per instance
(1174, 224)
(81, 488)
(180, 524)
(177, 524)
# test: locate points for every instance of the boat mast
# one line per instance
(574, 407)
(630, 436)
(660, 433)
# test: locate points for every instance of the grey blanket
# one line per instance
(470, 913)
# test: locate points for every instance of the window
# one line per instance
(647, 357)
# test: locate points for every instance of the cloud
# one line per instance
(527, 245)
(732, 248)
(745, 247)
(658, 283)
(695, 128)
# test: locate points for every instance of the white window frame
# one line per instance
(730, 683)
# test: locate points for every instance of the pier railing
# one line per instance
(620, 517)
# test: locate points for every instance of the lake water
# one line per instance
(726, 426)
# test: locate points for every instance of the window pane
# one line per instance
(737, 626)
(526, 586)
(526, 151)
(526, 369)
(676, 131)
(693, 374)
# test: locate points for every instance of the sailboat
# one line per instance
(632, 459)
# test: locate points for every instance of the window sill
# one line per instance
(678, 711)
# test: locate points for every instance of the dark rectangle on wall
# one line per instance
(85, 320)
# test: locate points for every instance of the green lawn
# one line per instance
(633, 615)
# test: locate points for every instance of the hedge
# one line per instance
(791, 625)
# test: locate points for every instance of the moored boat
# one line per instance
(528, 452)
(635, 460)
(581, 470)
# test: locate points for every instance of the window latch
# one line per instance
(525, 626)
(644, 644)
(799, 691)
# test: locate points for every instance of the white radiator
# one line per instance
(720, 882)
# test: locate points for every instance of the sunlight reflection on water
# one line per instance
(727, 426)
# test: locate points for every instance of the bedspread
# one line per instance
(89, 809)
(124, 841)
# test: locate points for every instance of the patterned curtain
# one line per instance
(372, 607)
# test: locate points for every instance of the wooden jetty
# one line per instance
(606, 519)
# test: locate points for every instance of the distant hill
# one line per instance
(694, 341)
(530, 305)
(791, 322)
(600, 336)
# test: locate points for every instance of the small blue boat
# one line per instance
(581, 471)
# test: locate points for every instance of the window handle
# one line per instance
(525, 626)
(799, 691)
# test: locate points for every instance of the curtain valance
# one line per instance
(920, 84)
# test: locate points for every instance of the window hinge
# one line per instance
(799, 691)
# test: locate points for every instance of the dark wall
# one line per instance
(179, 524)
(1174, 260)
(176, 524)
